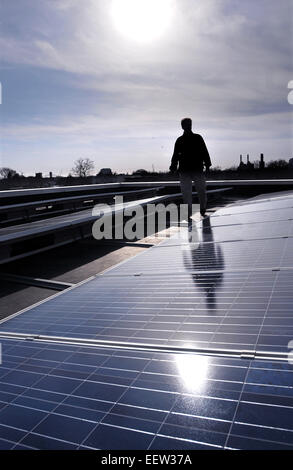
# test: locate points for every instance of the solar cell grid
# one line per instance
(244, 218)
(178, 257)
(56, 396)
(252, 231)
(257, 205)
(197, 309)
(205, 295)
(225, 211)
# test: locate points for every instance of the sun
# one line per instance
(142, 20)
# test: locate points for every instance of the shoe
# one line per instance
(202, 212)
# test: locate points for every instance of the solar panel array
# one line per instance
(241, 310)
(60, 221)
(210, 293)
(68, 397)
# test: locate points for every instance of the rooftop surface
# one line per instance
(183, 346)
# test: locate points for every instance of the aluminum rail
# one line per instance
(144, 184)
(168, 349)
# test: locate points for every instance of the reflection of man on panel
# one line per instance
(201, 256)
(192, 155)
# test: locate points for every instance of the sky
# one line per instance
(111, 81)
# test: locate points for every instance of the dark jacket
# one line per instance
(191, 153)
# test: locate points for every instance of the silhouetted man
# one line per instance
(192, 155)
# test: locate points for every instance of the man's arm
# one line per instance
(175, 158)
(206, 155)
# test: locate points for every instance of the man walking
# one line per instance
(192, 155)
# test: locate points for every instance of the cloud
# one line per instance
(223, 62)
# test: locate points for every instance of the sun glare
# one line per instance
(193, 370)
(142, 20)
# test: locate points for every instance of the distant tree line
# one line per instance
(83, 168)
(8, 172)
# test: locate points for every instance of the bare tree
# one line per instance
(7, 172)
(83, 167)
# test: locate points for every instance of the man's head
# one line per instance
(186, 124)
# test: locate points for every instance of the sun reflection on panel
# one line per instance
(193, 370)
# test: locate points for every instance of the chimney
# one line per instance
(261, 163)
(240, 158)
(248, 158)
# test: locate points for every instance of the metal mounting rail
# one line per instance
(187, 272)
(248, 354)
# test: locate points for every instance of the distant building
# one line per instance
(261, 162)
(39, 175)
(245, 166)
(105, 172)
(249, 165)
(290, 163)
(140, 172)
(242, 165)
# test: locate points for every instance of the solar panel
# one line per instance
(249, 217)
(213, 294)
(220, 310)
(175, 257)
(60, 221)
(257, 205)
(68, 397)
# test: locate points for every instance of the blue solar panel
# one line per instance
(221, 310)
(173, 256)
(69, 397)
(245, 218)
(212, 293)
(258, 205)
